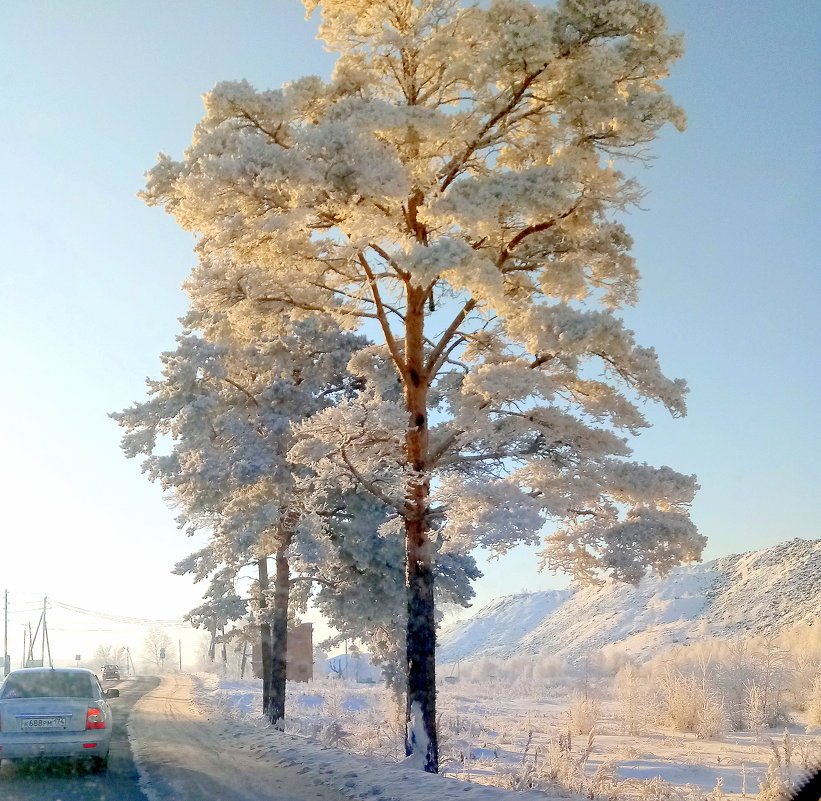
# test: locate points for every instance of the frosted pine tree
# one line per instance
(215, 434)
(366, 600)
(456, 184)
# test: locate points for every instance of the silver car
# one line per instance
(62, 712)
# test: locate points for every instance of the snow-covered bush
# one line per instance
(802, 645)
(712, 718)
(584, 713)
(688, 703)
(631, 695)
(755, 716)
(777, 784)
(548, 666)
(814, 703)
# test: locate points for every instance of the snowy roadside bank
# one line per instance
(355, 777)
(498, 740)
(184, 753)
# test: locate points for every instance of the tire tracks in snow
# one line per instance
(183, 755)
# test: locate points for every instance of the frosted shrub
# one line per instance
(631, 696)
(809, 753)
(556, 767)
(559, 766)
(481, 670)
(777, 784)
(754, 708)
(802, 643)
(584, 713)
(814, 703)
(687, 703)
(548, 667)
(608, 661)
(517, 669)
(712, 717)
(335, 692)
(679, 700)
(335, 736)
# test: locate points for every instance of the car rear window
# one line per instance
(53, 684)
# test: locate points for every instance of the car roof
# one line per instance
(52, 670)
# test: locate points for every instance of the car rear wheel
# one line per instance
(99, 764)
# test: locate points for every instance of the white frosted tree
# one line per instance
(366, 599)
(456, 184)
(215, 434)
(105, 654)
(158, 648)
(221, 605)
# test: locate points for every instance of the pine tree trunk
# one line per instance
(244, 661)
(279, 655)
(212, 647)
(265, 635)
(421, 636)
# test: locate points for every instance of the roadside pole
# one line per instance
(43, 643)
(6, 665)
(179, 648)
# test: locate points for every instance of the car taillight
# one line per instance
(95, 719)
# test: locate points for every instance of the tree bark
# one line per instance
(244, 661)
(265, 635)
(279, 637)
(421, 632)
(212, 646)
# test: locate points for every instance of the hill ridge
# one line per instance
(760, 592)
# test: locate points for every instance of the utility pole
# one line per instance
(6, 665)
(47, 644)
(32, 638)
(179, 648)
(43, 642)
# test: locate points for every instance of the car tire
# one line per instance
(99, 764)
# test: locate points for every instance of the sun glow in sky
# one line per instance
(728, 245)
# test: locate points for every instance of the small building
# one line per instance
(299, 664)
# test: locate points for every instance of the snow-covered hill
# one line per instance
(759, 592)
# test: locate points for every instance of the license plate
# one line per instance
(42, 724)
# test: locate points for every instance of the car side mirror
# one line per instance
(112, 693)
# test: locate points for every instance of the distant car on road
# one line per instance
(111, 672)
(55, 713)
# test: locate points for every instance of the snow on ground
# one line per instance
(184, 754)
(355, 776)
(489, 738)
(199, 739)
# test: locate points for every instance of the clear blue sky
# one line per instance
(728, 245)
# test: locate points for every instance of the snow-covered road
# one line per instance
(183, 755)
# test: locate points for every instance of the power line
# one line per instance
(139, 621)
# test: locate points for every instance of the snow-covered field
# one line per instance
(513, 741)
